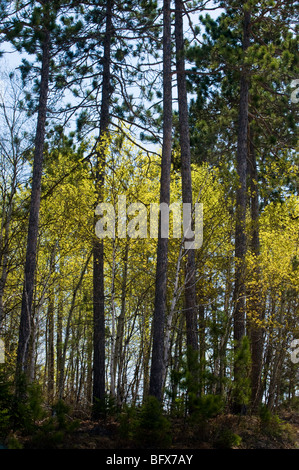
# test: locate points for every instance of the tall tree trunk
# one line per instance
(98, 248)
(88, 382)
(156, 377)
(50, 335)
(255, 301)
(177, 359)
(113, 324)
(59, 340)
(118, 359)
(31, 250)
(190, 279)
(240, 236)
(226, 335)
(145, 346)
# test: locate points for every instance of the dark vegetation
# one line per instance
(32, 425)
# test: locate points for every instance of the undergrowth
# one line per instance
(29, 423)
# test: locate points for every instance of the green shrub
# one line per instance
(52, 432)
(189, 378)
(207, 406)
(6, 400)
(28, 411)
(227, 439)
(13, 443)
(204, 408)
(104, 407)
(152, 428)
(241, 390)
(128, 422)
(270, 423)
(60, 410)
(35, 402)
(4, 423)
(178, 406)
(19, 414)
(62, 419)
(47, 436)
(265, 414)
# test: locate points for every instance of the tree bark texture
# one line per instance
(240, 236)
(190, 280)
(255, 300)
(32, 236)
(156, 376)
(98, 248)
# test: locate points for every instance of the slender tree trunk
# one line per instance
(50, 335)
(118, 359)
(145, 346)
(255, 297)
(190, 282)
(190, 278)
(225, 337)
(177, 360)
(31, 370)
(156, 377)
(88, 382)
(240, 236)
(113, 321)
(279, 355)
(79, 353)
(31, 250)
(59, 340)
(98, 249)
(269, 351)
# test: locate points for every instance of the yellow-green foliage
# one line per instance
(278, 260)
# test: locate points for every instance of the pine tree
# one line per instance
(98, 249)
(241, 158)
(40, 39)
(229, 71)
(156, 377)
(190, 268)
(32, 27)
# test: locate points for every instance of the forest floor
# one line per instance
(224, 431)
